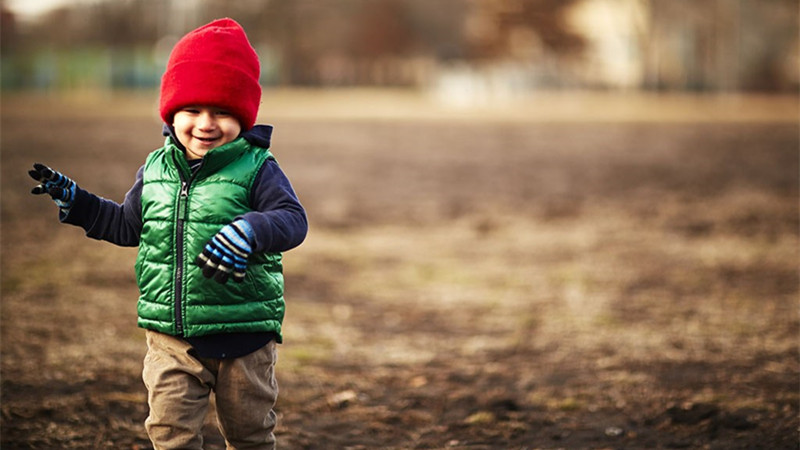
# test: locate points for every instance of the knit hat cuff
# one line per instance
(210, 83)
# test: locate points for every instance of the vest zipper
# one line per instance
(182, 201)
(183, 213)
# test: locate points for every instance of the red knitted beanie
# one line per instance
(214, 65)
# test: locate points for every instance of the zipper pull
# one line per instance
(183, 200)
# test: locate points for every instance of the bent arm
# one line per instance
(278, 219)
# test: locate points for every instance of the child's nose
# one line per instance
(206, 120)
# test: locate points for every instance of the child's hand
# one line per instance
(227, 250)
(60, 188)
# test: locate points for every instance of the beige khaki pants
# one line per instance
(179, 386)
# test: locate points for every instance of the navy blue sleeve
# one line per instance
(107, 220)
(278, 219)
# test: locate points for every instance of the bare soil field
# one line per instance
(475, 282)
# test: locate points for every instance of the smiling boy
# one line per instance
(211, 212)
(202, 128)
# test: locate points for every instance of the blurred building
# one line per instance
(490, 48)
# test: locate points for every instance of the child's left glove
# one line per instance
(60, 188)
(227, 251)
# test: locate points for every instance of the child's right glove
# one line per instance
(60, 187)
(227, 251)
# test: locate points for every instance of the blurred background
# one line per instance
(452, 48)
(534, 223)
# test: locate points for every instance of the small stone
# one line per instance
(418, 381)
(480, 417)
(342, 399)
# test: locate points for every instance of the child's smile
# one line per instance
(202, 128)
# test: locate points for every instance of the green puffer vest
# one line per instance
(180, 213)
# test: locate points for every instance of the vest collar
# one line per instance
(259, 135)
(212, 161)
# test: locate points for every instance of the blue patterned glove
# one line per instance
(227, 252)
(60, 188)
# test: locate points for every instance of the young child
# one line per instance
(211, 212)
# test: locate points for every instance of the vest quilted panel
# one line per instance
(175, 297)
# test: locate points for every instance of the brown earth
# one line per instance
(474, 284)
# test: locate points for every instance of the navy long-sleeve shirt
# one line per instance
(278, 220)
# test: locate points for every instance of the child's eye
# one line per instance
(222, 113)
(191, 110)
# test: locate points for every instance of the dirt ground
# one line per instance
(481, 284)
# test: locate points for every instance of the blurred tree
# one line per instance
(382, 29)
(8, 29)
(439, 27)
(495, 24)
(721, 44)
(685, 44)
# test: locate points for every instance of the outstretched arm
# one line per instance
(103, 219)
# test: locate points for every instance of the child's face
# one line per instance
(201, 128)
